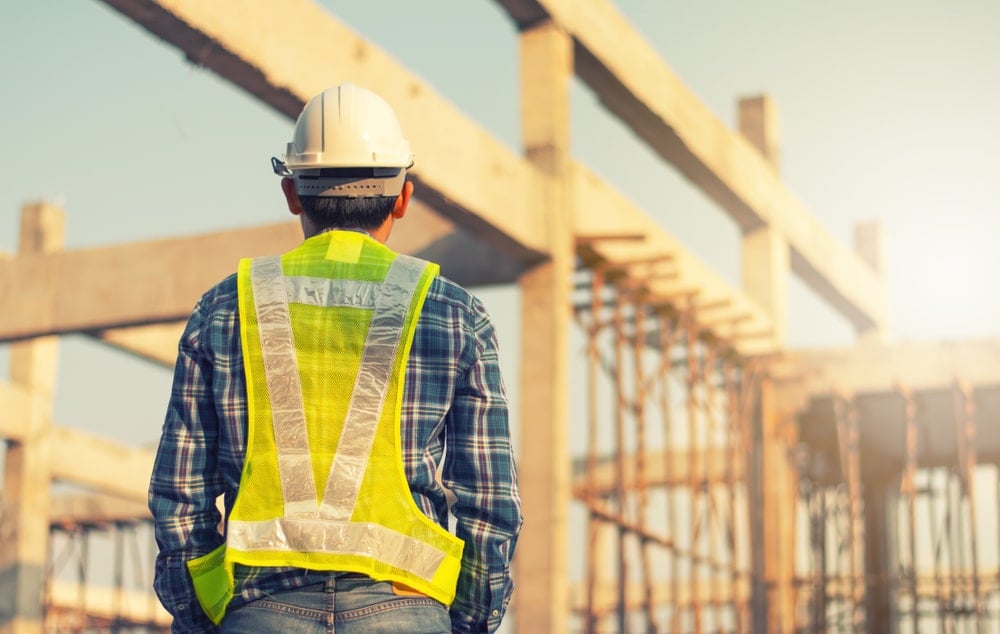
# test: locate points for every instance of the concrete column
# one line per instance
(26, 497)
(869, 244)
(765, 264)
(542, 560)
(776, 481)
(759, 124)
(765, 269)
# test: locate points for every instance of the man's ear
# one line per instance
(291, 196)
(403, 201)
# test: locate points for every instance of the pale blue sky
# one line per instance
(889, 111)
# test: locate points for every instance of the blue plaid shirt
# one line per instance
(453, 397)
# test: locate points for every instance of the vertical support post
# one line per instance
(758, 118)
(595, 564)
(27, 470)
(879, 600)
(694, 465)
(909, 490)
(868, 244)
(848, 436)
(766, 255)
(779, 500)
(543, 596)
(965, 432)
(621, 492)
(668, 335)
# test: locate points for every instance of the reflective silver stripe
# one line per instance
(368, 396)
(348, 538)
(282, 376)
(318, 291)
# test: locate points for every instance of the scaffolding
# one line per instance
(663, 475)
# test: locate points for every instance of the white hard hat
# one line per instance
(346, 127)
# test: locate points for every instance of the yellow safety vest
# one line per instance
(326, 332)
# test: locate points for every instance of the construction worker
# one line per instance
(331, 395)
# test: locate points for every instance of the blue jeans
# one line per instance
(347, 604)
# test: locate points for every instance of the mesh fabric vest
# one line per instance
(326, 332)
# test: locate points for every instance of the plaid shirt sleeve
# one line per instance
(184, 484)
(479, 469)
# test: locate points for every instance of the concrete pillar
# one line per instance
(542, 557)
(775, 484)
(27, 472)
(869, 244)
(879, 505)
(758, 117)
(765, 269)
(765, 263)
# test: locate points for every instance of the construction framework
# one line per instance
(709, 481)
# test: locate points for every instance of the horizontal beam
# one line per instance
(80, 457)
(722, 591)
(101, 464)
(665, 468)
(83, 458)
(685, 594)
(102, 605)
(272, 50)
(635, 84)
(95, 509)
(106, 288)
(156, 343)
(874, 367)
(602, 212)
(126, 285)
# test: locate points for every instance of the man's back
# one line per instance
(452, 394)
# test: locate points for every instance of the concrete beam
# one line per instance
(95, 509)
(101, 464)
(126, 285)
(77, 456)
(666, 468)
(602, 212)
(462, 171)
(635, 84)
(683, 595)
(102, 605)
(877, 367)
(98, 290)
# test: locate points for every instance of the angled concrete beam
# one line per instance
(633, 82)
(272, 50)
(602, 211)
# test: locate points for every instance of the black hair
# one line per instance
(335, 212)
(328, 212)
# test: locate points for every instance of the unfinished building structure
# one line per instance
(717, 482)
